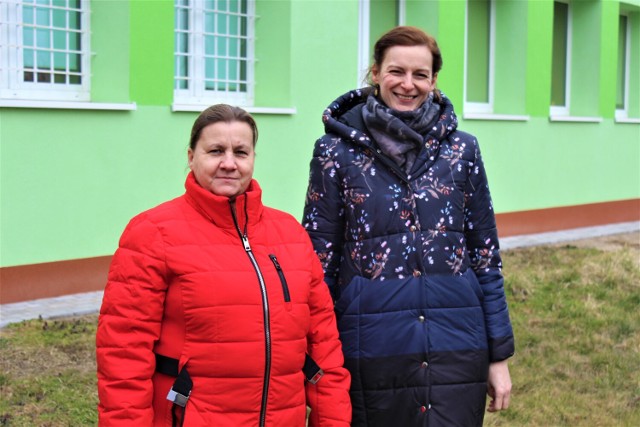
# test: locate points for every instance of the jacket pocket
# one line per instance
(283, 280)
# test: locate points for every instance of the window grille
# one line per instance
(45, 49)
(214, 51)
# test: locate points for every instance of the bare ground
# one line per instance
(611, 242)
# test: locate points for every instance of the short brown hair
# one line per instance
(221, 113)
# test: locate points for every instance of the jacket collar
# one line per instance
(217, 209)
(338, 118)
(341, 118)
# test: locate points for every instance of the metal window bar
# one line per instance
(48, 59)
(230, 63)
(183, 53)
(219, 50)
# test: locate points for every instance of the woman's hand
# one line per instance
(499, 386)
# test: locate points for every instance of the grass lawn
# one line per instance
(576, 319)
(576, 316)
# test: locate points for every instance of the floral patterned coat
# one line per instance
(412, 261)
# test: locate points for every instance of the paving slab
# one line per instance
(567, 235)
(49, 308)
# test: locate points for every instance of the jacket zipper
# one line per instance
(265, 310)
(283, 280)
(377, 153)
(391, 165)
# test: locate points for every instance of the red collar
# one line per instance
(217, 209)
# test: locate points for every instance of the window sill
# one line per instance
(68, 105)
(582, 119)
(496, 117)
(252, 110)
(627, 120)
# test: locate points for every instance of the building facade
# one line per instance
(97, 99)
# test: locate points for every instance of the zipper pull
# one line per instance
(275, 262)
(245, 242)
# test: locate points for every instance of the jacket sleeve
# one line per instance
(329, 397)
(323, 216)
(484, 251)
(129, 325)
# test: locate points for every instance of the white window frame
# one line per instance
(196, 95)
(402, 12)
(481, 107)
(622, 114)
(364, 29)
(563, 110)
(12, 85)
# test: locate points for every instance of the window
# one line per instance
(214, 51)
(561, 62)
(628, 65)
(577, 61)
(495, 47)
(45, 52)
(623, 61)
(480, 48)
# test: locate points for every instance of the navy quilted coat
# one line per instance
(413, 265)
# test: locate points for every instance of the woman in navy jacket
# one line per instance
(399, 212)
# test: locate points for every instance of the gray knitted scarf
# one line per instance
(400, 134)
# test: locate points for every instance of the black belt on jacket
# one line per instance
(181, 390)
(169, 366)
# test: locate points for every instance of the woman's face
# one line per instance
(222, 160)
(405, 77)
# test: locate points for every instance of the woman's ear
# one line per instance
(375, 74)
(190, 157)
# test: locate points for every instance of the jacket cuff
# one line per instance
(501, 348)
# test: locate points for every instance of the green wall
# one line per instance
(541, 164)
(538, 47)
(151, 69)
(71, 179)
(110, 39)
(323, 66)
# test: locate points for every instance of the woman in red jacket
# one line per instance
(215, 309)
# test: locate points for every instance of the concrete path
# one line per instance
(87, 303)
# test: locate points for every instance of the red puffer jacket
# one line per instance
(237, 297)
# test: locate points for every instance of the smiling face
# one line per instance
(405, 77)
(223, 157)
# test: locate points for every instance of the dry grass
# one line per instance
(575, 313)
(48, 373)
